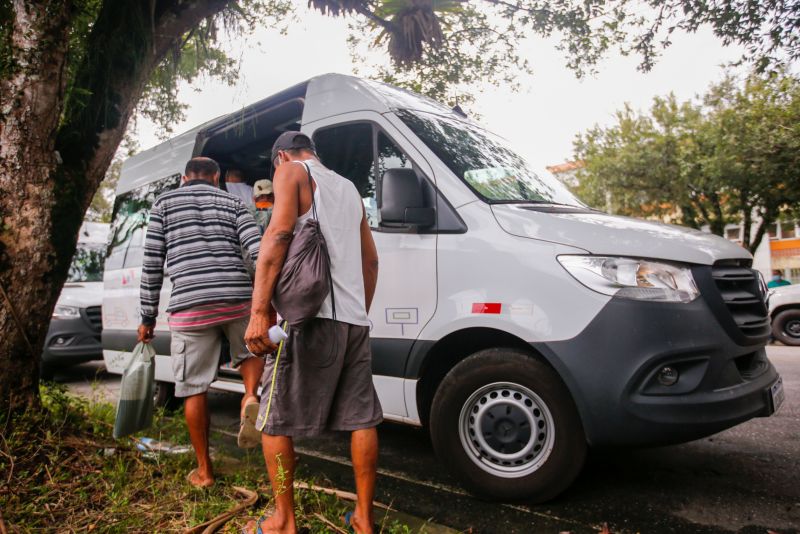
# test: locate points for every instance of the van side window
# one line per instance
(389, 156)
(347, 150)
(129, 222)
(135, 255)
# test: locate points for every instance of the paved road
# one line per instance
(745, 479)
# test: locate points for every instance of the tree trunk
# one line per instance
(31, 99)
(766, 220)
(718, 224)
(747, 219)
(689, 216)
(55, 154)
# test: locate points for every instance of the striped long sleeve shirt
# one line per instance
(203, 234)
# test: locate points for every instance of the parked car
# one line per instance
(519, 325)
(74, 333)
(784, 310)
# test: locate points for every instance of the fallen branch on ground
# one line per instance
(338, 493)
(214, 524)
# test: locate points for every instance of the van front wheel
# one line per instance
(505, 424)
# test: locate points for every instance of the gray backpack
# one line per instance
(305, 278)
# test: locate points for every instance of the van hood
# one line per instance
(81, 294)
(603, 234)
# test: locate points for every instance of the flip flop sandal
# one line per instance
(258, 526)
(348, 524)
(189, 480)
(249, 436)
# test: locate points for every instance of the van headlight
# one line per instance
(632, 278)
(66, 312)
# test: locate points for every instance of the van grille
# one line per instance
(94, 317)
(740, 288)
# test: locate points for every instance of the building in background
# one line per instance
(567, 173)
(779, 249)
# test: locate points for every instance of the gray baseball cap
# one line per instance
(291, 141)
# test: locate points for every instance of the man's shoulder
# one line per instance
(345, 181)
(192, 192)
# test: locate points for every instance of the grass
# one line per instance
(60, 470)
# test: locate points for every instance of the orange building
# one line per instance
(784, 250)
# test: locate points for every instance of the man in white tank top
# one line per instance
(323, 379)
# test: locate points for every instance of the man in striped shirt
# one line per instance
(205, 236)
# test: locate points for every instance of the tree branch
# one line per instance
(383, 23)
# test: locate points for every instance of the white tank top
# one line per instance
(340, 211)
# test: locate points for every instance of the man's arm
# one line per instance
(274, 246)
(369, 261)
(152, 274)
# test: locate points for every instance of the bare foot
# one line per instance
(249, 436)
(200, 480)
(271, 525)
(360, 523)
(245, 400)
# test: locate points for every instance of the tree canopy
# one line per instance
(730, 157)
(447, 49)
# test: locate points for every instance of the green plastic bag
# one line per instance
(135, 406)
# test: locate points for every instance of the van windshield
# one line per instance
(484, 161)
(87, 263)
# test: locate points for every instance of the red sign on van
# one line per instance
(486, 307)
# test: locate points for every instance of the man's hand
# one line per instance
(145, 333)
(256, 337)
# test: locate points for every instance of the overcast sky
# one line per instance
(540, 121)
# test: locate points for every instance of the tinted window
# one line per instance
(347, 150)
(87, 264)
(484, 161)
(389, 156)
(131, 214)
(135, 255)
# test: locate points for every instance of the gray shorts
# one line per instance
(323, 382)
(195, 355)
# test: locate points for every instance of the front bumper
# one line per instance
(611, 370)
(72, 341)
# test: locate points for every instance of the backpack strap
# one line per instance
(311, 188)
(314, 212)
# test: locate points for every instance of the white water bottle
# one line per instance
(277, 334)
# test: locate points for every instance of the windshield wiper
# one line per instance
(549, 202)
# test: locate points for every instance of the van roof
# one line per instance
(324, 95)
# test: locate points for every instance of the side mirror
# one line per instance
(402, 201)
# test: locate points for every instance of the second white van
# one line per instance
(517, 324)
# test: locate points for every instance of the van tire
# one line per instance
(164, 396)
(786, 327)
(508, 380)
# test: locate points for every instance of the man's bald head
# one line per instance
(202, 168)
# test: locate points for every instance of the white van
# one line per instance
(73, 336)
(518, 324)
